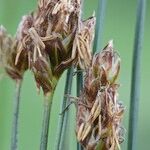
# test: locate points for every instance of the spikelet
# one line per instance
(82, 45)
(8, 52)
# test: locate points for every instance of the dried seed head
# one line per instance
(47, 37)
(99, 113)
(8, 52)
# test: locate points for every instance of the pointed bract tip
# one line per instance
(93, 15)
(111, 44)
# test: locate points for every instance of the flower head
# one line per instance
(8, 52)
(99, 113)
(49, 36)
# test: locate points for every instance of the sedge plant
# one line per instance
(50, 40)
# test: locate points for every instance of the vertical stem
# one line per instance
(14, 138)
(79, 89)
(63, 117)
(99, 24)
(136, 71)
(46, 120)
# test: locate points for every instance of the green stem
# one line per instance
(136, 72)
(14, 134)
(63, 117)
(79, 89)
(46, 120)
(99, 25)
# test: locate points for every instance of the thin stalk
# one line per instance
(79, 82)
(79, 89)
(46, 119)
(70, 78)
(14, 135)
(63, 117)
(101, 10)
(136, 72)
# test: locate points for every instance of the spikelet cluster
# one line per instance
(49, 40)
(8, 53)
(54, 37)
(99, 112)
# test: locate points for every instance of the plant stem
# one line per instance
(79, 82)
(14, 134)
(79, 89)
(63, 117)
(99, 25)
(46, 120)
(136, 71)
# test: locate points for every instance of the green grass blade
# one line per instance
(136, 72)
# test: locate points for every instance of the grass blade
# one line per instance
(14, 134)
(136, 71)
(99, 24)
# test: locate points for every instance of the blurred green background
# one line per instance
(120, 26)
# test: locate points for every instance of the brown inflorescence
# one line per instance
(54, 37)
(99, 112)
(8, 53)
